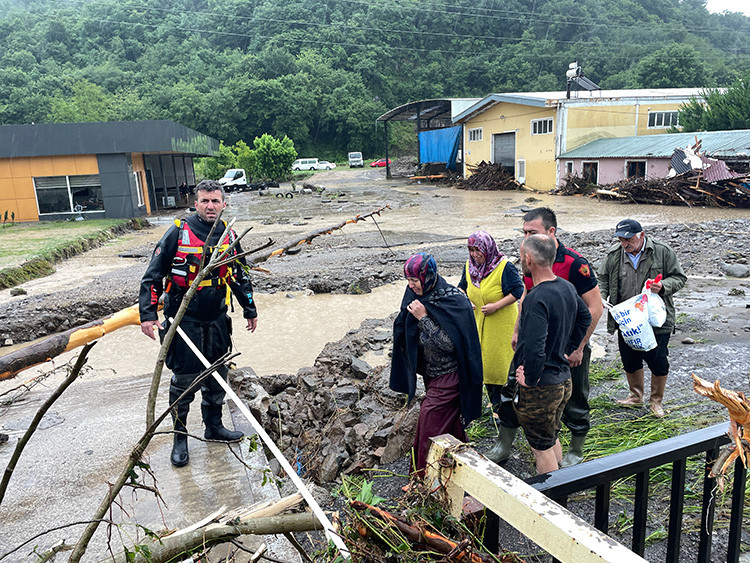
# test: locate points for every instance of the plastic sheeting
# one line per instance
(440, 145)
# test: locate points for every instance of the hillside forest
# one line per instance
(321, 72)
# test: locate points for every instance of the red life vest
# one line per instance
(560, 268)
(187, 260)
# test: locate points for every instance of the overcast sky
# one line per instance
(731, 5)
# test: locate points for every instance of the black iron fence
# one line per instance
(600, 473)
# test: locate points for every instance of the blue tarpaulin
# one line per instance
(440, 145)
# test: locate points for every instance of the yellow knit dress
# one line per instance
(495, 330)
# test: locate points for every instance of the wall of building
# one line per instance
(167, 172)
(139, 167)
(613, 170)
(587, 122)
(17, 186)
(537, 150)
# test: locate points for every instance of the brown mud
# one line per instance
(336, 414)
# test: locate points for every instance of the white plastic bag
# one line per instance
(633, 317)
(657, 311)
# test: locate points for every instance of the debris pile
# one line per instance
(486, 176)
(338, 416)
(694, 179)
(436, 172)
(575, 185)
(689, 188)
(403, 166)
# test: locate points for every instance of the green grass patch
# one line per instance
(486, 425)
(29, 251)
(601, 371)
(619, 430)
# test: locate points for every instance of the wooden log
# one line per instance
(168, 548)
(43, 351)
(418, 534)
(610, 193)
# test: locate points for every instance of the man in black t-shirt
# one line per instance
(552, 324)
(573, 267)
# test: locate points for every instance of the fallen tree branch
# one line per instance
(167, 548)
(316, 233)
(419, 534)
(54, 549)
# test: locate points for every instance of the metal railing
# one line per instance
(600, 473)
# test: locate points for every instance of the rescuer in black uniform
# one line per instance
(174, 265)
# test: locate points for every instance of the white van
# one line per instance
(305, 164)
(355, 159)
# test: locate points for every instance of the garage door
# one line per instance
(504, 149)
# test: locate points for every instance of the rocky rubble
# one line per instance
(338, 416)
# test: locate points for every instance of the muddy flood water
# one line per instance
(294, 326)
(85, 438)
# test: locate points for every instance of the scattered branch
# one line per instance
(316, 233)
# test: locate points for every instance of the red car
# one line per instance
(380, 163)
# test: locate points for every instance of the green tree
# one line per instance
(674, 66)
(213, 167)
(244, 158)
(87, 102)
(720, 110)
(273, 157)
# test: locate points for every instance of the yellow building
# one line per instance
(526, 132)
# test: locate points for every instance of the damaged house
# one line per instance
(608, 161)
(525, 132)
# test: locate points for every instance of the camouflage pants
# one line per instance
(539, 410)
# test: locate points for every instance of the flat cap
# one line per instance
(628, 228)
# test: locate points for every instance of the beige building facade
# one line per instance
(526, 132)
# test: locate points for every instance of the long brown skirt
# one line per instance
(440, 413)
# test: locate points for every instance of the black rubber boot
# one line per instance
(180, 455)
(214, 428)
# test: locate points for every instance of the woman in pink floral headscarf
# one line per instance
(493, 286)
(434, 335)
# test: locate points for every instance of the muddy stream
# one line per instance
(294, 325)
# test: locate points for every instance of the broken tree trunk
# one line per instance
(40, 352)
(263, 520)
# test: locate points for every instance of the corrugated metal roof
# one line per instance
(725, 144)
(552, 99)
(436, 108)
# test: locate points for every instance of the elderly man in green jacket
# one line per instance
(622, 275)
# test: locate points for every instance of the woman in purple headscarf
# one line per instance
(435, 335)
(493, 286)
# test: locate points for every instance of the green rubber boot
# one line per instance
(575, 451)
(502, 448)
